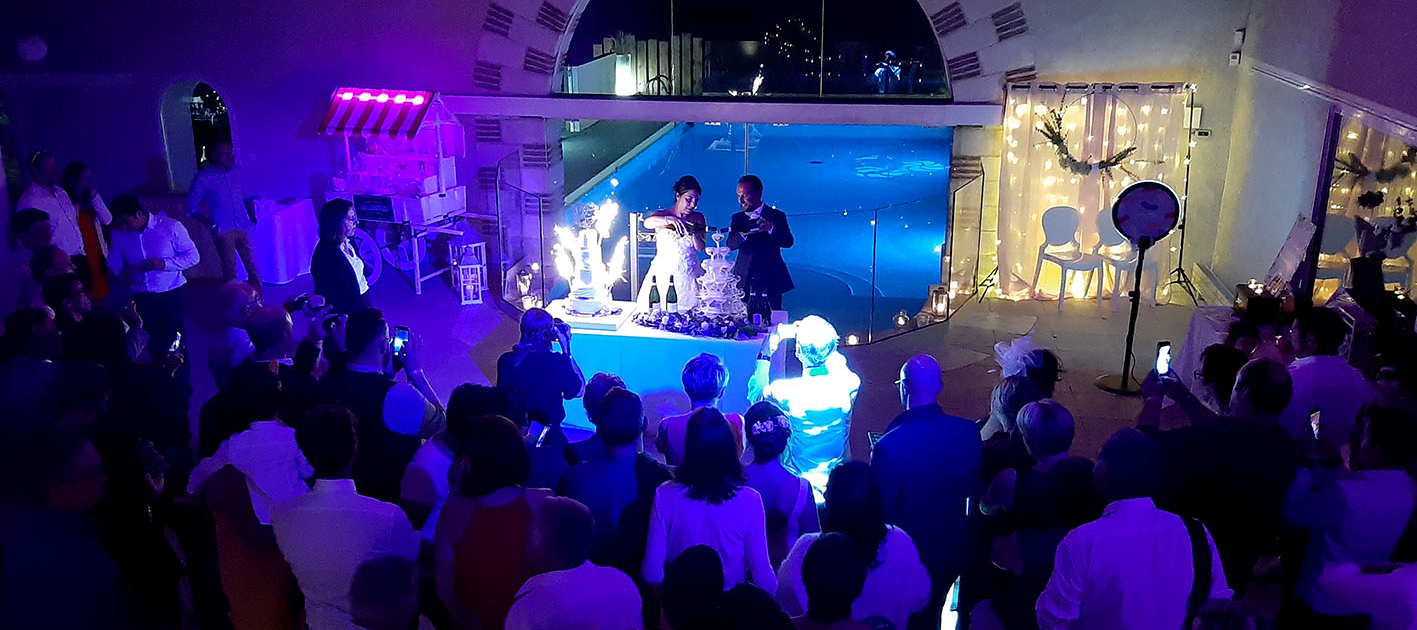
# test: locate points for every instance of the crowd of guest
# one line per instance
(328, 485)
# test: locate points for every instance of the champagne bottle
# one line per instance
(671, 298)
(653, 295)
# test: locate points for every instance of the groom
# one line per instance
(759, 233)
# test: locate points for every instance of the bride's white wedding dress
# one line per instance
(676, 256)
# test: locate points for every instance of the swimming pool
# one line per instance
(868, 205)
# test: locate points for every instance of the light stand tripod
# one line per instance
(1178, 276)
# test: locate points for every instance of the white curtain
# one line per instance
(1099, 120)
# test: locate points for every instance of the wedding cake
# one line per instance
(719, 293)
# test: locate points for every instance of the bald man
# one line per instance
(927, 466)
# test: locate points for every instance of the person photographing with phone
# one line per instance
(394, 417)
(817, 402)
(541, 368)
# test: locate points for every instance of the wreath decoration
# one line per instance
(1350, 166)
(1053, 131)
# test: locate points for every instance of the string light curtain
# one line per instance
(1099, 121)
(1379, 166)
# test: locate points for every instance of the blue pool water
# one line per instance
(832, 181)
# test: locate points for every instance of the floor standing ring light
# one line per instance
(1145, 213)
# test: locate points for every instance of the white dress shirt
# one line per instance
(588, 597)
(426, 481)
(267, 454)
(1389, 598)
(1131, 568)
(736, 529)
(163, 238)
(356, 263)
(896, 588)
(62, 215)
(1327, 383)
(1352, 517)
(326, 534)
(221, 189)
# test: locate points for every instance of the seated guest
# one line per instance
(393, 417)
(1135, 567)
(710, 503)
(1230, 472)
(618, 485)
(1220, 365)
(818, 403)
(928, 469)
(232, 346)
(705, 379)
(567, 590)
(1003, 446)
(265, 451)
(593, 446)
(896, 585)
(335, 266)
(1356, 516)
(425, 486)
(327, 533)
(31, 336)
(55, 574)
(1323, 381)
(748, 607)
(1032, 508)
(920, 384)
(71, 301)
(1243, 336)
(50, 260)
(479, 548)
(692, 590)
(32, 232)
(384, 594)
(833, 573)
(545, 377)
(787, 498)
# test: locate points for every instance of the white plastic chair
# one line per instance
(1118, 253)
(1339, 233)
(1061, 247)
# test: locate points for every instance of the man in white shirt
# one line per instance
(218, 188)
(148, 255)
(47, 195)
(567, 590)
(1134, 567)
(1359, 515)
(1323, 381)
(327, 533)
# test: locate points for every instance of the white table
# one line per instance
(1211, 325)
(284, 239)
(651, 362)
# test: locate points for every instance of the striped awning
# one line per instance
(370, 113)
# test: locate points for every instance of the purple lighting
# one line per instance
(382, 98)
(417, 100)
(347, 95)
(365, 97)
(400, 99)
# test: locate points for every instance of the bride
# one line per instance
(678, 237)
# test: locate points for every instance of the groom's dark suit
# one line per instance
(760, 268)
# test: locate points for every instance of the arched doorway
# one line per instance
(194, 119)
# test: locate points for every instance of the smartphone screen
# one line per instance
(1163, 358)
(176, 343)
(1314, 423)
(400, 339)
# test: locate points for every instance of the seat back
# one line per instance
(1060, 225)
(1339, 231)
(1107, 233)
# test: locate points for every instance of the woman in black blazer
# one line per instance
(338, 271)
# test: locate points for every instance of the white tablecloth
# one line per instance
(651, 362)
(284, 239)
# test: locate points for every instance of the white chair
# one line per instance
(1061, 247)
(1118, 253)
(1339, 233)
